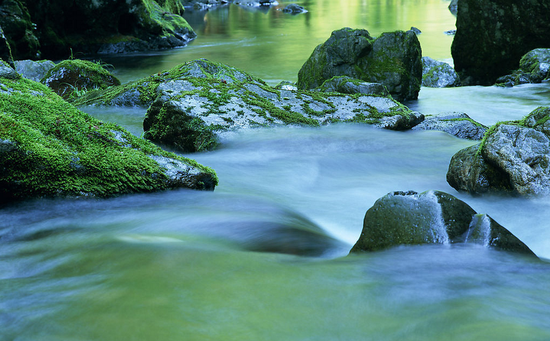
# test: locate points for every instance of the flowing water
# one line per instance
(264, 256)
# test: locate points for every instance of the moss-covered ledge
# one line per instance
(49, 148)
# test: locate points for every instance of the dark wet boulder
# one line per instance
(49, 148)
(433, 217)
(33, 70)
(347, 85)
(89, 26)
(457, 124)
(7, 71)
(513, 157)
(493, 35)
(393, 59)
(18, 30)
(534, 67)
(72, 77)
(436, 74)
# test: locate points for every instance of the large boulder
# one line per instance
(436, 74)
(534, 67)
(49, 148)
(192, 104)
(393, 59)
(433, 217)
(457, 124)
(513, 157)
(18, 30)
(492, 35)
(72, 77)
(115, 26)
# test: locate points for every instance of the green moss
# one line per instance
(63, 151)
(163, 16)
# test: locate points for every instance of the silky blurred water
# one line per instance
(264, 256)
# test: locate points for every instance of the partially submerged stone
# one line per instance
(456, 124)
(512, 158)
(534, 67)
(49, 148)
(436, 74)
(71, 77)
(393, 59)
(433, 217)
(193, 103)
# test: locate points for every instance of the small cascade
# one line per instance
(479, 231)
(439, 229)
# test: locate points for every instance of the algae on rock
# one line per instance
(49, 148)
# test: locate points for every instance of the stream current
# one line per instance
(223, 265)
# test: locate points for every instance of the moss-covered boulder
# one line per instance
(433, 217)
(436, 74)
(49, 148)
(114, 26)
(393, 59)
(534, 67)
(492, 36)
(70, 78)
(514, 157)
(456, 124)
(193, 103)
(18, 30)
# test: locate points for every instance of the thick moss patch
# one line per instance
(50, 148)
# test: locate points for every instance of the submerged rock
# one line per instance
(194, 103)
(457, 124)
(437, 74)
(534, 67)
(513, 157)
(492, 35)
(433, 217)
(393, 59)
(70, 77)
(294, 9)
(49, 148)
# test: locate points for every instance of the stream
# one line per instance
(265, 255)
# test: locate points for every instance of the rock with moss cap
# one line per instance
(512, 158)
(436, 74)
(49, 148)
(433, 217)
(393, 59)
(72, 77)
(534, 67)
(456, 124)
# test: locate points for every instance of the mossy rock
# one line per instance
(513, 158)
(49, 148)
(17, 32)
(432, 217)
(70, 78)
(393, 59)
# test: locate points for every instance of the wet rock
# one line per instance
(90, 26)
(70, 78)
(52, 149)
(534, 67)
(453, 7)
(514, 158)
(433, 217)
(294, 9)
(500, 33)
(457, 124)
(7, 71)
(18, 31)
(393, 59)
(33, 70)
(436, 74)
(347, 85)
(416, 30)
